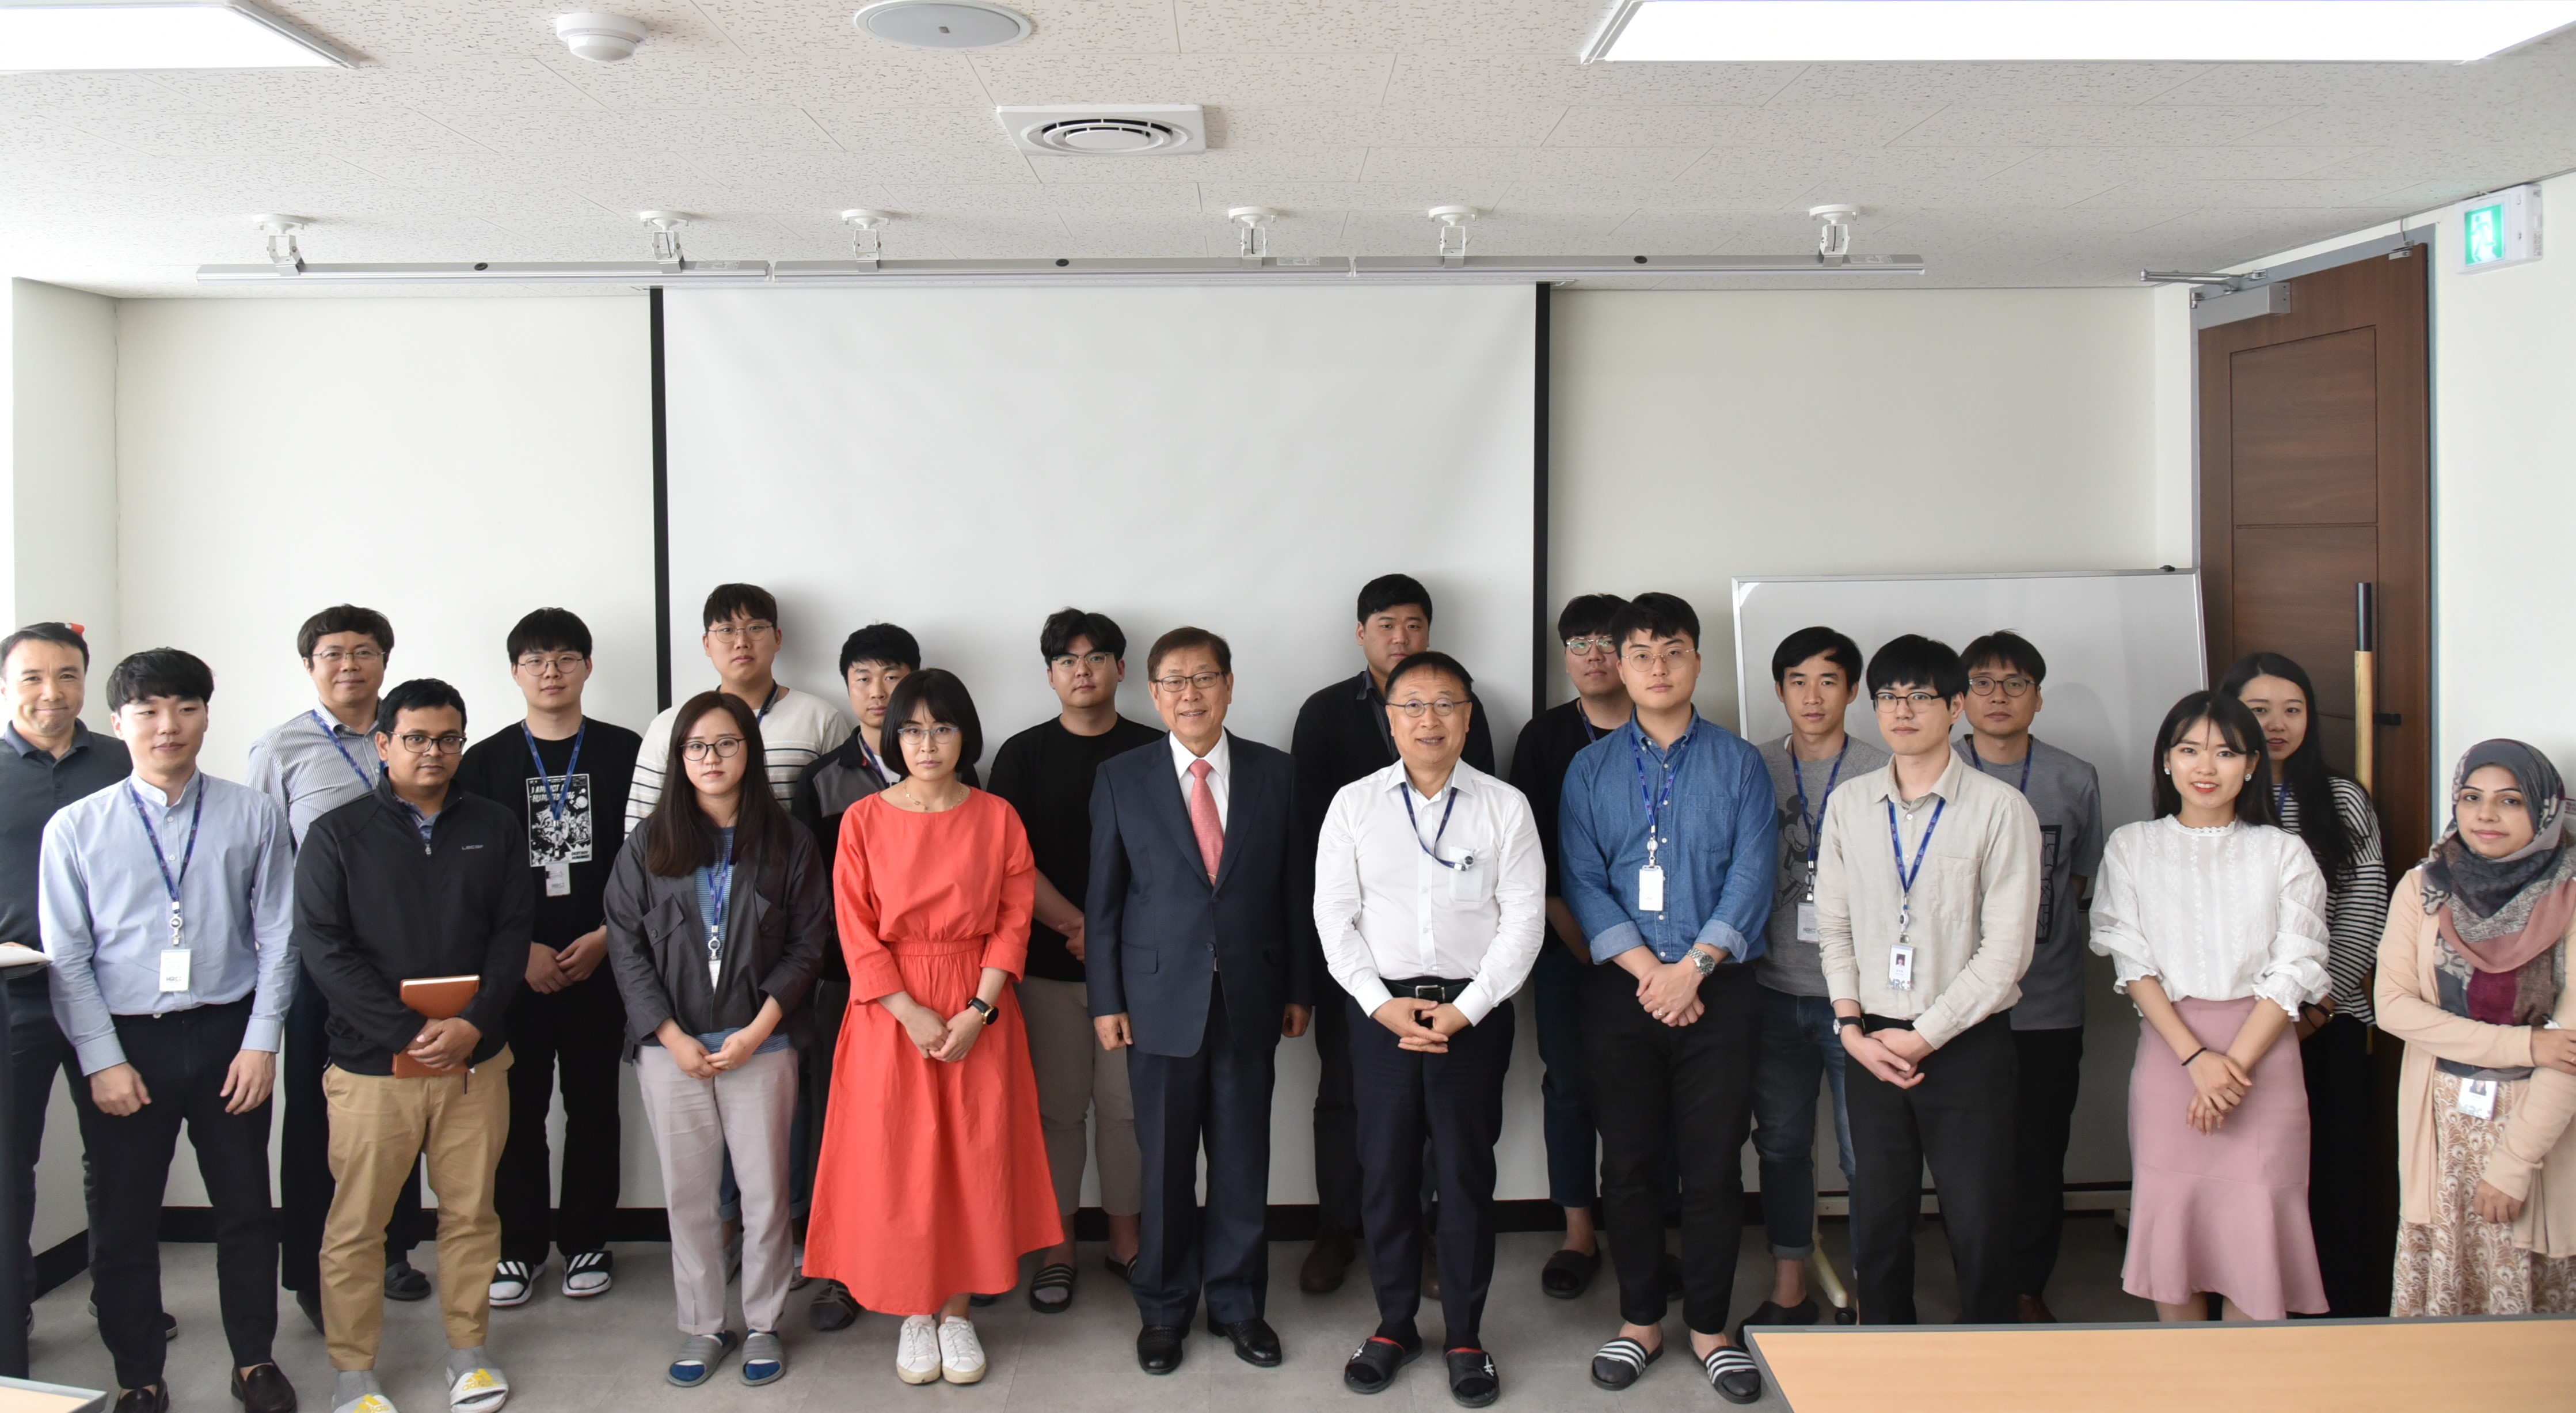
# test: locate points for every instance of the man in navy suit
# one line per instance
(1192, 960)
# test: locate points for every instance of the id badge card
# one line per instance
(559, 879)
(1650, 888)
(2478, 1098)
(1807, 929)
(1462, 880)
(1900, 966)
(174, 969)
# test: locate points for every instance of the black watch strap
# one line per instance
(982, 1007)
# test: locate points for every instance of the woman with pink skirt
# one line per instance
(2215, 921)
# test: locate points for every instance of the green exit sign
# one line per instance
(2499, 230)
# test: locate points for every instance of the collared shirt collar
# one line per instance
(1463, 778)
(1637, 734)
(1220, 756)
(25, 747)
(151, 797)
(338, 727)
(1947, 787)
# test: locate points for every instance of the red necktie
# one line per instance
(1203, 820)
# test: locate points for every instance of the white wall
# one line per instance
(62, 457)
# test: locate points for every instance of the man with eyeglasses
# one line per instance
(2004, 673)
(311, 764)
(1046, 774)
(1670, 840)
(797, 729)
(1927, 893)
(1548, 745)
(565, 774)
(1342, 736)
(418, 881)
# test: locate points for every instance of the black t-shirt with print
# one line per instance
(591, 831)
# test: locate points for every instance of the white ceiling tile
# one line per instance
(1554, 27)
(1295, 164)
(2509, 80)
(1276, 79)
(1097, 27)
(1414, 164)
(170, 133)
(701, 130)
(2429, 125)
(1425, 78)
(913, 127)
(829, 172)
(1588, 125)
(2492, 166)
(978, 236)
(1491, 123)
(481, 81)
(2073, 126)
(1296, 197)
(2195, 163)
(2252, 195)
(1094, 237)
(25, 93)
(1989, 85)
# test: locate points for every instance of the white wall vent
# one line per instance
(1108, 129)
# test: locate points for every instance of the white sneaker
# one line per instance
(916, 1351)
(961, 1353)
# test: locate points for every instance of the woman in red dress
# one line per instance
(933, 1177)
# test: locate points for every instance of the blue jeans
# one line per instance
(1799, 1044)
(1556, 985)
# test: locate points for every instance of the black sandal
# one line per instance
(1372, 1366)
(1569, 1273)
(834, 1308)
(1734, 1375)
(1473, 1383)
(1123, 1270)
(1622, 1362)
(1056, 1276)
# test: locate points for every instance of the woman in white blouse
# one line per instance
(2216, 922)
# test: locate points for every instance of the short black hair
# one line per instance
(1186, 637)
(2235, 722)
(1912, 660)
(727, 601)
(939, 690)
(1430, 662)
(1587, 614)
(2006, 648)
(1066, 624)
(550, 630)
(1657, 616)
(49, 632)
(344, 618)
(1392, 591)
(418, 694)
(1837, 648)
(881, 642)
(160, 672)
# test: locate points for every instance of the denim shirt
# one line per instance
(1719, 847)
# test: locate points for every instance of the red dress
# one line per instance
(933, 1176)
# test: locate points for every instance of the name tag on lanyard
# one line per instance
(559, 879)
(174, 969)
(1650, 888)
(2478, 1098)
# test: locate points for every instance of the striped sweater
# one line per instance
(2356, 900)
(799, 729)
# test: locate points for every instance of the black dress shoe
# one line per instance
(263, 1390)
(1327, 1261)
(310, 1302)
(1372, 1366)
(1255, 1343)
(155, 1399)
(1159, 1347)
(404, 1281)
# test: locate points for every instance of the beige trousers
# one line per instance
(380, 1127)
(1075, 1077)
(750, 1111)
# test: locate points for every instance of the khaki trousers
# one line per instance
(380, 1127)
(747, 1112)
(1075, 1077)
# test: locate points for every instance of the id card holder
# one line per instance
(1900, 966)
(2478, 1098)
(174, 969)
(559, 879)
(1807, 929)
(1462, 880)
(1650, 888)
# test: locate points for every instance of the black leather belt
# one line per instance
(1428, 988)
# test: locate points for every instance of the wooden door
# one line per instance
(2315, 477)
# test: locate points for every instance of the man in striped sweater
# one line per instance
(742, 639)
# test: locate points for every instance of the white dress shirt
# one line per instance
(2214, 914)
(1384, 906)
(1220, 777)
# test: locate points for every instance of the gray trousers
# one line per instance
(1077, 1077)
(695, 1121)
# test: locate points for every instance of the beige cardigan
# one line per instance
(2535, 1156)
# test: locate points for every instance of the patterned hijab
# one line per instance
(2503, 912)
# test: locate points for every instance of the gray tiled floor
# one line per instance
(609, 1353)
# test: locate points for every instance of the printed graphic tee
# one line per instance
(577, 847)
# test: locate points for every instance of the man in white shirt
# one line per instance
(1430, 897)
(742, 639)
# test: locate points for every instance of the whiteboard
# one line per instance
(2122, 647)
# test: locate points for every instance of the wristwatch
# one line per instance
(1843, 1023)
(1703, 960)
(981, 1007)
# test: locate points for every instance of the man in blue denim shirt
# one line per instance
(1668, 841)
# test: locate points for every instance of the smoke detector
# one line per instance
(942, 24)
(1108, 129)
(602, 39)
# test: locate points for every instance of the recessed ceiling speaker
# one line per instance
(1107, 129)
(942, 24)
(602, 39)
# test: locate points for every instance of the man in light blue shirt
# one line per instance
(167, 908)
(1668, 843)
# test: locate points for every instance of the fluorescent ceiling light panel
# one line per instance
(2074, 31)
(207, 34)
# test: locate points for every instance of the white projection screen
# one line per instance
(964, 461)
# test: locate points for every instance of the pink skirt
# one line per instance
(2225, 1212)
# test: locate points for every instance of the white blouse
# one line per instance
(2213, 914)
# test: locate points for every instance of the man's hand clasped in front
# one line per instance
(445, 1044)
(1422, 1027)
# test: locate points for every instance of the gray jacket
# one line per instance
(776, 931)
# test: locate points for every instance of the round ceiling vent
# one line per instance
(942, 24)
(1095, 136)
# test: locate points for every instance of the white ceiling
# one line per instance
(472, 134)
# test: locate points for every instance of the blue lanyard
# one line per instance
(1905, 876)
(1672, 770)
(334, 738)
(1405, 789)
(876, 766)
(1798, 773)
(162, 860)
(719, 888)
(766, 703)
(555, 803)
(2029, 753)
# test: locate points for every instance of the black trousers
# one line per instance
(304, 1151)
(1337, 1143)
(2050, 1062)
(579, 1033)
(2352, 1258)
(37, 1052)
(831, 1003)
(182, 1058)
(1665, 1097)
(1456, 1102)
(1222, 1095)
(1959, 1120)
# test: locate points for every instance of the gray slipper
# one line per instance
(764, 1359)
(698, 1357)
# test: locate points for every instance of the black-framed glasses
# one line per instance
(421, 743)
(1204, 681)
(1096, 661)
(2015, 686)
(1914, 701)
(539, 664)
(914, 734)
(721, 748)
(1441, 707)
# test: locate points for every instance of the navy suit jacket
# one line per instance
(1158, 936)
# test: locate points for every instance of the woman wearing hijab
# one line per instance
(2473, 977)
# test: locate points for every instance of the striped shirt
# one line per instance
(799, 729)
(2356, 901)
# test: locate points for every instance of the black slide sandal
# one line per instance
(1569, 1273)
(1734, 1375)
(1057, 1277)
(1622, 1362)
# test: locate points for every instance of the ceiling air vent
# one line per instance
(1108, 129)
